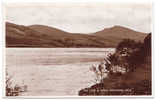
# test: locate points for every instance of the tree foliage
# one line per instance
(128, 54)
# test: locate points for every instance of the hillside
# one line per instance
(45, 36)
(117, 33)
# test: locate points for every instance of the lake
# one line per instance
(54, 71)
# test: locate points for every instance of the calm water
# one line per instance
(53, 71)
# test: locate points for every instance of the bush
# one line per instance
(99, 71)
(13, 90)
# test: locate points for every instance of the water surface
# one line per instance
(54, 71)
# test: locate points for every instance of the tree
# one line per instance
(126, 56)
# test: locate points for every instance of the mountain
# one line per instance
(23, 36)
(45, 36)
(117, 33)
(46, 30)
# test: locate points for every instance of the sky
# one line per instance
(85, 17)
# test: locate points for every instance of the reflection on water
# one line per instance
(54, 71)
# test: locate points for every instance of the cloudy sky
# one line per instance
(81, 17)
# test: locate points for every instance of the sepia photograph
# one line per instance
(78, 49)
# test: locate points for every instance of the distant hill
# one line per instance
(117, 33)
(46, 30)
(45, 36)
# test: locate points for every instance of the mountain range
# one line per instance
(49, 37)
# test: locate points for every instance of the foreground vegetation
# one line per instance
(13, 89)
(128, 71)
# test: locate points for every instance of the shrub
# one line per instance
(99, 71)
(13, 90)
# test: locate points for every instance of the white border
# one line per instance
(2, 51)
(7, 1)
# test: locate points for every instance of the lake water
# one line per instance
(54, 71)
